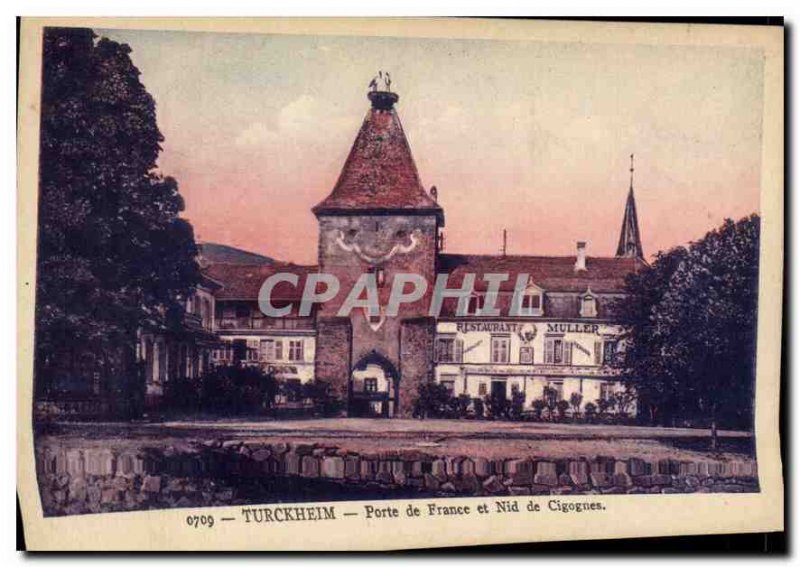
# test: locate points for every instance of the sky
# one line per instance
(531, 137)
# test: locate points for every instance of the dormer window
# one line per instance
(531, 304)
(588, 303)
(475, 304)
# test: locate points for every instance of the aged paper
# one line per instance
(314, 360)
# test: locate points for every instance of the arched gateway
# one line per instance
(374, 387)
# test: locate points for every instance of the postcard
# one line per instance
(372, 284)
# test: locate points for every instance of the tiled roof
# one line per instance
(551, 273)
(243, 281)
(379, 174)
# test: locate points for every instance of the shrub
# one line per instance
(433, 400)
(590, 411)
(497, 407)
(550, 396)
(538, 406)
(517, 408)
(575, 401)
(477, 407)
(183, 394)
(323, 398)
(562, 406)
(236, 390)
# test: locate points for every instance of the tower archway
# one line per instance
(374, 383)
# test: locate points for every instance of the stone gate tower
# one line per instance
(378, 220)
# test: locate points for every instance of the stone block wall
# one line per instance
(333, 352)
(417, 338)
(77, 481)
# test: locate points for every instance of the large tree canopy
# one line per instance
(113, 254)
(691, 317)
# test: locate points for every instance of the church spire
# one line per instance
(630, 242)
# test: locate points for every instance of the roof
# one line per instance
(379, 174)
(214, 253)
(630, 242)
(551, 273)
(244, 281)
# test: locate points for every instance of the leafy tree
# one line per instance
(697, 327)
(641, 361)
(113, 256)
(550, 397)
(575, 400)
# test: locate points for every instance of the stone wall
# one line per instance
(416, 359)
(332, 357)
(226, 473)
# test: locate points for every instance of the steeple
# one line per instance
(630, 242)
(379, 175)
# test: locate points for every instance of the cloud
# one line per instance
(306, 120)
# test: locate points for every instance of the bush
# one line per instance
(562, 406)
(433, 400)
(590, 412)
(517, 408)
(497, 407)
(477, 407)
(182, 394)
(538, 406)
(323, 398)
(237, 390)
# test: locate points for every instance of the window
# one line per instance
(370, 384)
(609, 351)
(500, 349)
(296, 350)
(526, 355)
(531, 302)
(588, 304)
(482, 389)
(554, 351)
(267, 350)
(449, 349)
(278, 350)
(475, 304)
(606, 391)
(450, 385)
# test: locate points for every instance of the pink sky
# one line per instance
(528, 136)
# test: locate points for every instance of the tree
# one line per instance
(550, 397)
(113, 255)
(697, 327)
(575, 400)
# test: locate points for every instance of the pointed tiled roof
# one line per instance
(380, 174)
(630, 243)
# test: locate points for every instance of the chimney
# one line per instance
(580, 259)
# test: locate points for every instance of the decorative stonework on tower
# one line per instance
(378, 220)
(630, 242)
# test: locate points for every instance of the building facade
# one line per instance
(379, 220)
